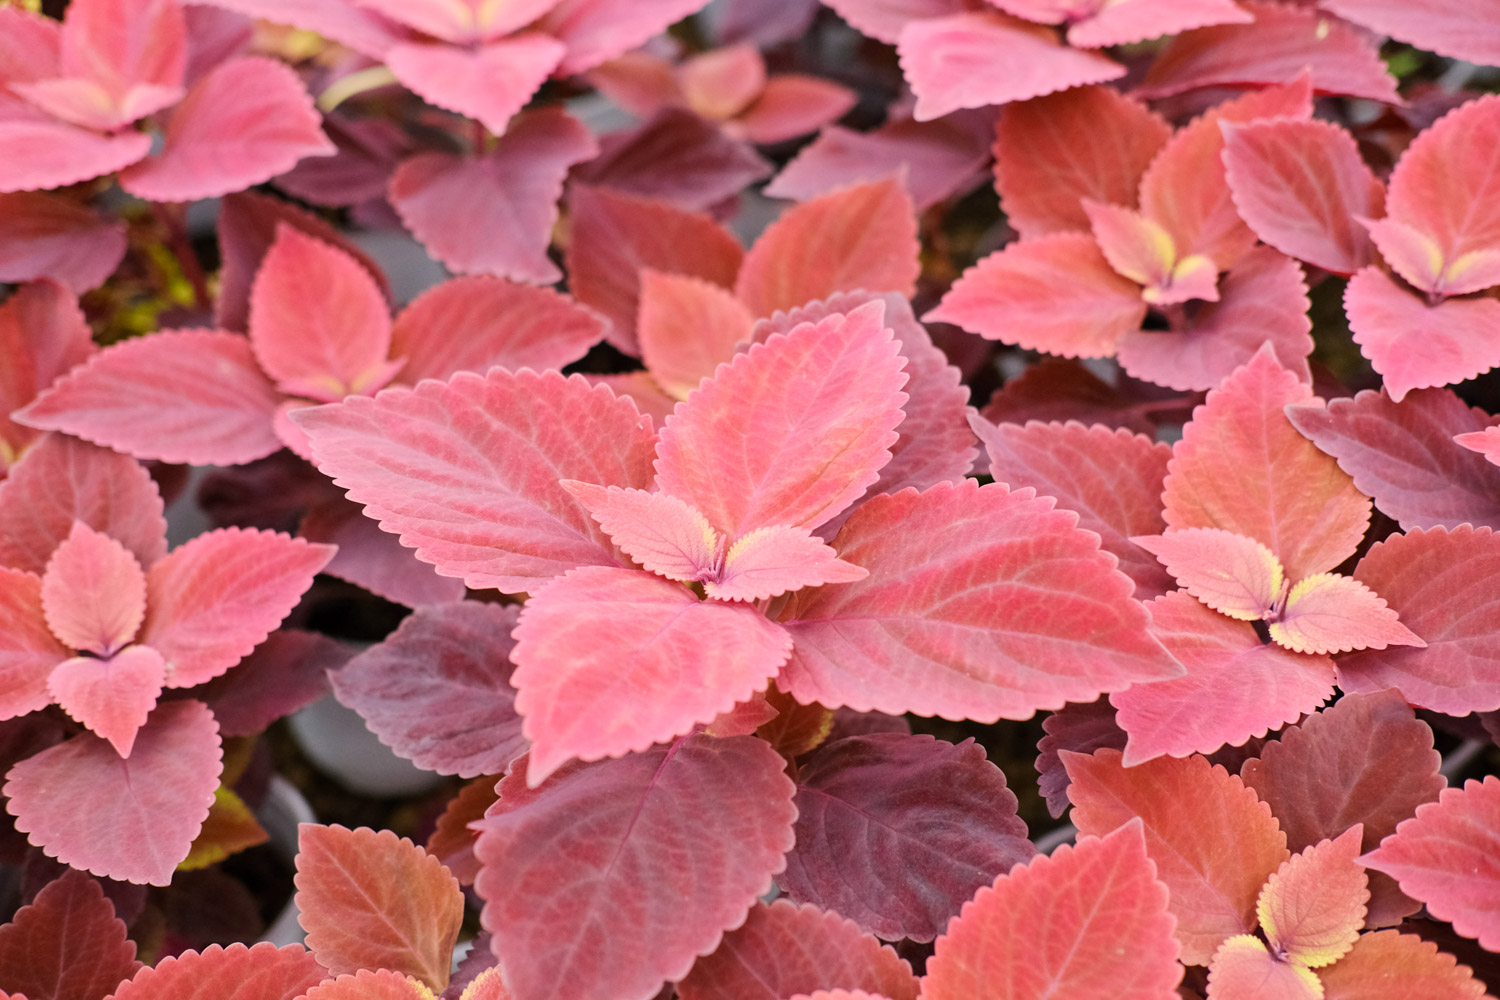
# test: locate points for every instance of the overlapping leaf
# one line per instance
(488, 82)
(68, 944)
(687, 328)
(48, 236)
(1390, 964)
(368, 984)
(42, 334)
(1462, 29)
(259, 972)
(1079, 727)
(1313, 907)
(28, 649)
(1242, 969)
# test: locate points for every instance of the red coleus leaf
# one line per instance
(951, 62)
(1284, 41)
(246, 121)
(1234, 575)
(438, 691)
(452, 841)
(615, 236)
(424, 463)
(1235, 688)
(343, 21)
(784, 949)
(1301, 185)
(598, 30)
(1403, 454)
(863, 237)
(61, 480)
(666, 890)
(368, 984)
(687, 328)
(1444, 586)
(318, 322)
(1213, 859)
(1241, 466)
(974, 641)
(1053, 152)
(493, 213)
(372, 900)
(261, 972)
(1462, 29)
(146, 396)
(1328, 613)
(42, 334)
(218, 596)
(67, 944)
(28, 649)
(1111, 479)
(1313, 907)
(1242, 969)
(1082, 728)
(600, 639)
(1090, 920)
(488, 82)
(825, 399)
(896, 832)
(1388, 964)
(1446, 855)
(111, 696)
(1056, 293)
(131, 820)
(49, 236)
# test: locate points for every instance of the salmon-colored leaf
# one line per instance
(260, 972)
(464, 21)
(772, 560)
(1214, 859)
(47, 153)
(28, 649)
(664, 534)
(1485, 442)
(49, 236)
(93, 592)
(604, 844)
(596, 31)
(790, 105)
(687, 328)
(452, 840)
(1140, 20)
(1088, 921)
(1462, 29)
(68, 944)
(1234, 575)
(1328, 613)
(43, 334)
(1313, 907)
(1390, 964)
(370, 984)
(1082, 728)
(886, 19)
(372, 900)
(1242, 969)
(112, 696)
(489, 83)
(231, 827)
(1140, 249)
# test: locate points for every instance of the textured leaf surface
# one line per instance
(897, 832)
(430, 465)
(1235, 687)
(286, 672)
(373, 559)
(493, 214)
(784, 949)
(1082, 728)
(131, 820)
(372, 900)
(94, 592)
(44, 236)
(885, 19)
(1124, 23)
(1088, 921)
(1485, 442)
(1313, 907)
(688, 327)
(824, 400)
(67, 944)
(1243, 969)
(1111, 478)
(1141, 249)
(861, 237)
(370, 984)
(50, 153)
(1328, 613)
(1402, 454)
(1444, 586)
(1214, 860)
(113, 696)
(773, 560)
(1463, 29)
(1234, 575)
(489, 82)
(28, 649)
(437, 690)
(147, 397)
(635, 895)
(219, 595)
(613, 660)
(261, 972)
(665, 535)
(992, 632)
(1390, 964)
(1242, 467)
(43, 333)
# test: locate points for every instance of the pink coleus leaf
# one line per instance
(1053, 152)
(896, 832)
(1313, 907)
(1301, 185)
(1241, 466)
(1213, 859)
(973, 642)
(1242, 969)
(67, 944)
(146, 396)
(61, 480)
(43, 334)
(1327, 613)
(668, 890)
(32, 46)
(861, 237)
(373, 559)
(217, 596)
(47, 153)
(824, 398)
(1404, 455)
(318, 322)
(1141, 249)
(1418, 259)
(1445, 856)
(596, 31)
(424, 463)
(463, 21)
(489, 83)
(493, 213)
(1234, 575)
(687, 327)
(472, 323)
(790, 105)
(1284, 41)
(119, 45)
(783, 949)
(1461, 29)
(28, 649)
(1235, 688)
(286, 672)
(131, 820)
(1389, 964)
(1111, 479)
(1140, 20)
(886, 19)
(113, 695)
(370, 984)
(245, 122)
(1416, 344)
(720, 83)
(664, 534)
(1060, 390)
(615, 236)
(1056, 293)
(1443, 585)
(953, 62)
(372, 900)
(1485, 442)
(259, 972)
(368, 150)
(50, 236)
(1090, 920)
(438, 691)
(772, 560)
(601, 638)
